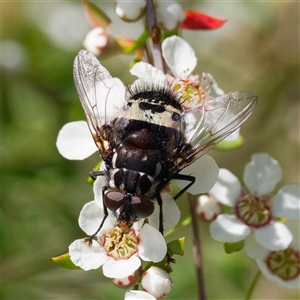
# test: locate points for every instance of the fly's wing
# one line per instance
(206, 126)
(101, 96)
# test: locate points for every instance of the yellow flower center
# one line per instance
(120, 244)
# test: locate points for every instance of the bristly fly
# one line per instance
(146, 137)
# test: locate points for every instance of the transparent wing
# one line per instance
(214, 121)
(101, 96)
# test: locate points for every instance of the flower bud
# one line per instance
(208, 208)
(169, 15)
(157, 282)
(130, 11)
(128, 281)
(96, 41)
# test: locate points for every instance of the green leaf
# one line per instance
(233, 247)
(184, 221)
(65, 262)
(90, 180)
(95, 16)
(140, 42)
(230, 145)
(177, 247)
(162, 264)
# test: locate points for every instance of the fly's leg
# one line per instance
(95, 174)
(104, 217)
(190, 178)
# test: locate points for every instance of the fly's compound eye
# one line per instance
(142, 206)
(114, 200)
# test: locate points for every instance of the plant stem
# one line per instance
(155, 35)
(197, 249)
(252, 286)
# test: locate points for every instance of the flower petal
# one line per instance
(75, 141)
(179, 56)
(274, 237)
(147, 72)
(209, 81)
(286, 203)
(85, 256)
(228, 229)
(171, 213)
(99, 183)
(138, 295)
(90, 217)
(152, 246)
(198, 20)
(253, 249)
(227, 189)
(122, 267)
(205, 170)
(129, 10)
(289, 284)
(262, 174)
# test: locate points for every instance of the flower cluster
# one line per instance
(257, 217)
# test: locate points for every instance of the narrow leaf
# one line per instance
(231, 145)
(177, 247)
(95, 16)
(196, 20)
(184, 221)
(65, 261)
(140, 42)
(233, 247)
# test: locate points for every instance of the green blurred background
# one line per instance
(43, 193)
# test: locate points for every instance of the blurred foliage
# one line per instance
(42, 193)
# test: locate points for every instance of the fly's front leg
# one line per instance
(104, 217)
(95, 174)
(190, 178)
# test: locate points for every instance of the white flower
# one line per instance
(138, 295)
(156, 282)
(256, 211)
(118, 251)
(96, 41)
(283, 266)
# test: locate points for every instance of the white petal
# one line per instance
(286, 203)
(233, 136)
(205, 170)
(87, 257)
(294, 228)
(147, 72)
(169, 14)
(171, 213)
(138, 295)
(152, 246)
(228, 229)
(122, 267)
(262, 174)
(227, 189)
(289, 284)
(208, 80)
(275, 236)
(253, 249)
(75, 141)
(179, 56)
(97, 188)
(90, 217)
